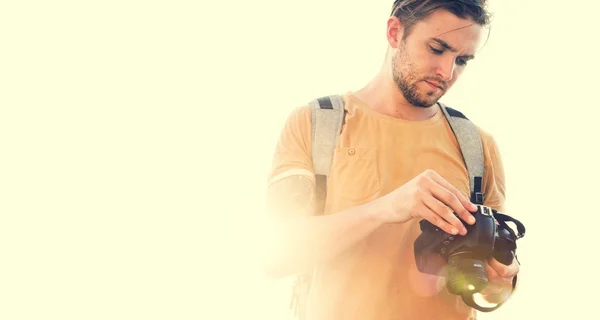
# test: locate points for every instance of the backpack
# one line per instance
(327, 118)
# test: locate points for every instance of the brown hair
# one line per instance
(410, 12)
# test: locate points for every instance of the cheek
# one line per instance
(428, 65)
(420, 68)
(424, 62)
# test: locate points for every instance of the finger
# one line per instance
(491, 271)
(466, 203)
(503, 270)
(452, 203)
(496, 281)
(442, 215)
(450, 195)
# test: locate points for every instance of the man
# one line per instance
(396, 162)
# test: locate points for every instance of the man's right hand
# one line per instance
(429, 196)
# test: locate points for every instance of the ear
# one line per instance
(395, 30)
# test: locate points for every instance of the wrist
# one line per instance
(378, 212)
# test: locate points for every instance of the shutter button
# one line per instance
(351, 152)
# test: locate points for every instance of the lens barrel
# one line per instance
(465, 274)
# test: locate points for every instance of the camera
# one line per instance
(461, 259)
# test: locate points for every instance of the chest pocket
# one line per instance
(354, 177)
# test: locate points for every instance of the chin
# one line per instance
(425, 103)
(426, 98)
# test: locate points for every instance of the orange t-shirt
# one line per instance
(377, 278)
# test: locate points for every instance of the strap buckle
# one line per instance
(477, 198)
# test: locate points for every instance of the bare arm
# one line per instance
(303, 239)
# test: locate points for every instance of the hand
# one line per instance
(500, 278)
(428, 196)
(500, 274)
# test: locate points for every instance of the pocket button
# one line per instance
(351, 151)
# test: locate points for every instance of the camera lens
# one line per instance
(465, 274)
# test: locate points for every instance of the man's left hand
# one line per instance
(500, 276)
(501, 273)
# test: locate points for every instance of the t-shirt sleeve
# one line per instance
(494, 184)
(292, 154)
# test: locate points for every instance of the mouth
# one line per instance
(435, 85)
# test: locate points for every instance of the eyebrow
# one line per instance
(449, 47)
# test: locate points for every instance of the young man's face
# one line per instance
(429, 60)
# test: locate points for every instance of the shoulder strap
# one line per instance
(471, 147)
(327, 118)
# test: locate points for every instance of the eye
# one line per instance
(436, 51)
(461, 62)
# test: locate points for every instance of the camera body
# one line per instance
(461, 259)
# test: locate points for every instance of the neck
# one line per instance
(382, 95)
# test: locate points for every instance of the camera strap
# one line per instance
(503, 219)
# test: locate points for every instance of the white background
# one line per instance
(135, 139)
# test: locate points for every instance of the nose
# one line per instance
(446, 70)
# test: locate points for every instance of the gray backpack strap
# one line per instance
(327, 118)
(471, 147)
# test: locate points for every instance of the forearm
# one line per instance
(304, 242)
